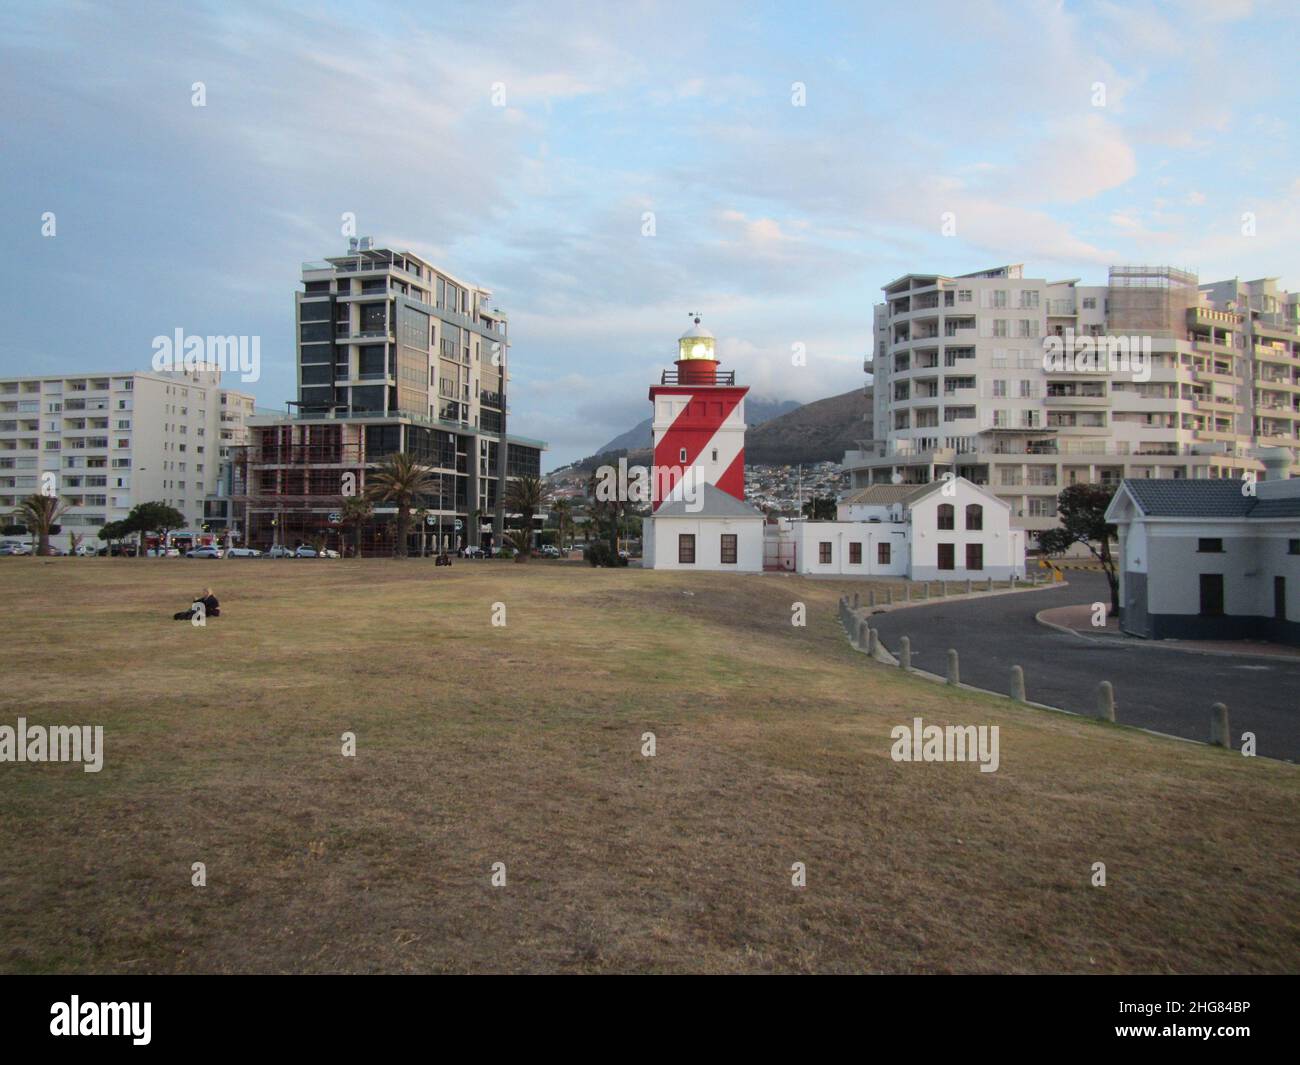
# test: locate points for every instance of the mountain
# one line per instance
(757, 411)
(816, 432)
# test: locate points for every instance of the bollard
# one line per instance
(926, 593)
(873, 642)
(889, 596)
(856, 601)
(860, 640)
(1017, 684)
(1219, 726)
(954, 674)
(905, 654)
(990, 587)
(1106, 701)
(969, 586)
(943, 589)
(871, 597)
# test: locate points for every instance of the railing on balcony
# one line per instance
(721, 377)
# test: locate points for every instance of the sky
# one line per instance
(605, 169)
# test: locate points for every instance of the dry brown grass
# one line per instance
(521, 744)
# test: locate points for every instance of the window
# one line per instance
(1212, 594)
(686, 548)
(682, 455)
(882, 554)
(947, 557)
(824, 552)
(975, 556)
(729, 548)
(1089, 303)
(1209, 545)
(999, 388)
(974, 517)
(855, 554)
(963, 295)
(947, 519)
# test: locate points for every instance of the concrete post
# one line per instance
(857, 602)
(873, 642)
(1017, 684)
(969, 586)
(860, 637)
(871, 597)
(889, 596)
(990, 587)
(954, 674)
(1219, 726)
(905, 654)
(1106, 701)
(926, 593)
(943, 589)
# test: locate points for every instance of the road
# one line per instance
(1157, 688)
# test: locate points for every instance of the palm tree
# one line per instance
(356, 511)
(562, 508)
(40, 513)
(402, 480)
(524, 494)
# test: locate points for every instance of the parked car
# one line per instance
(203, 552)
(329, 552)
(14, 547)
(305, 552)
(243, 552)
(118, 551)
(170, 552)
(83, 551)
(280, 551)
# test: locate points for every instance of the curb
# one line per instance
(1159, 645)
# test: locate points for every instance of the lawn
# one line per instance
(521, 744)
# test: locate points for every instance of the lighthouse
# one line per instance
(699, 518)
(698, 422)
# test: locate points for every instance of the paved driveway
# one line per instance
(1155, 687)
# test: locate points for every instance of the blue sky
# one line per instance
(779, 222)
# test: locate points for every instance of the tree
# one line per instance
(154, 517)
(1082, 509)
(41, 514)
(356, 511)
(820, 509)
(525, 494)
(562, 508)
(113, 532)
(605, 512)
(400, 479)
(521, 541)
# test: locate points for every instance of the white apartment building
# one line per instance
(961, 385)
(112, 440)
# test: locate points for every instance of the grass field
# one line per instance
(522, 744)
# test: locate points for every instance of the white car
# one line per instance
(243, 552)
(280, 551)
(329, 552)
(203, 552)
(14, 547)
(305, 552)
(171, 552)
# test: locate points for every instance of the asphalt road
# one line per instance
(1157, 688)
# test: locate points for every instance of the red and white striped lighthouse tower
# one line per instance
(699, 422)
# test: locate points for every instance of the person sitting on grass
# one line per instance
(211, 607)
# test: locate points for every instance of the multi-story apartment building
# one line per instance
(962, 385)
(394, 354)
(112, 440)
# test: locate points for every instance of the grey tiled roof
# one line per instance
(1221, 498)
(716, 504)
